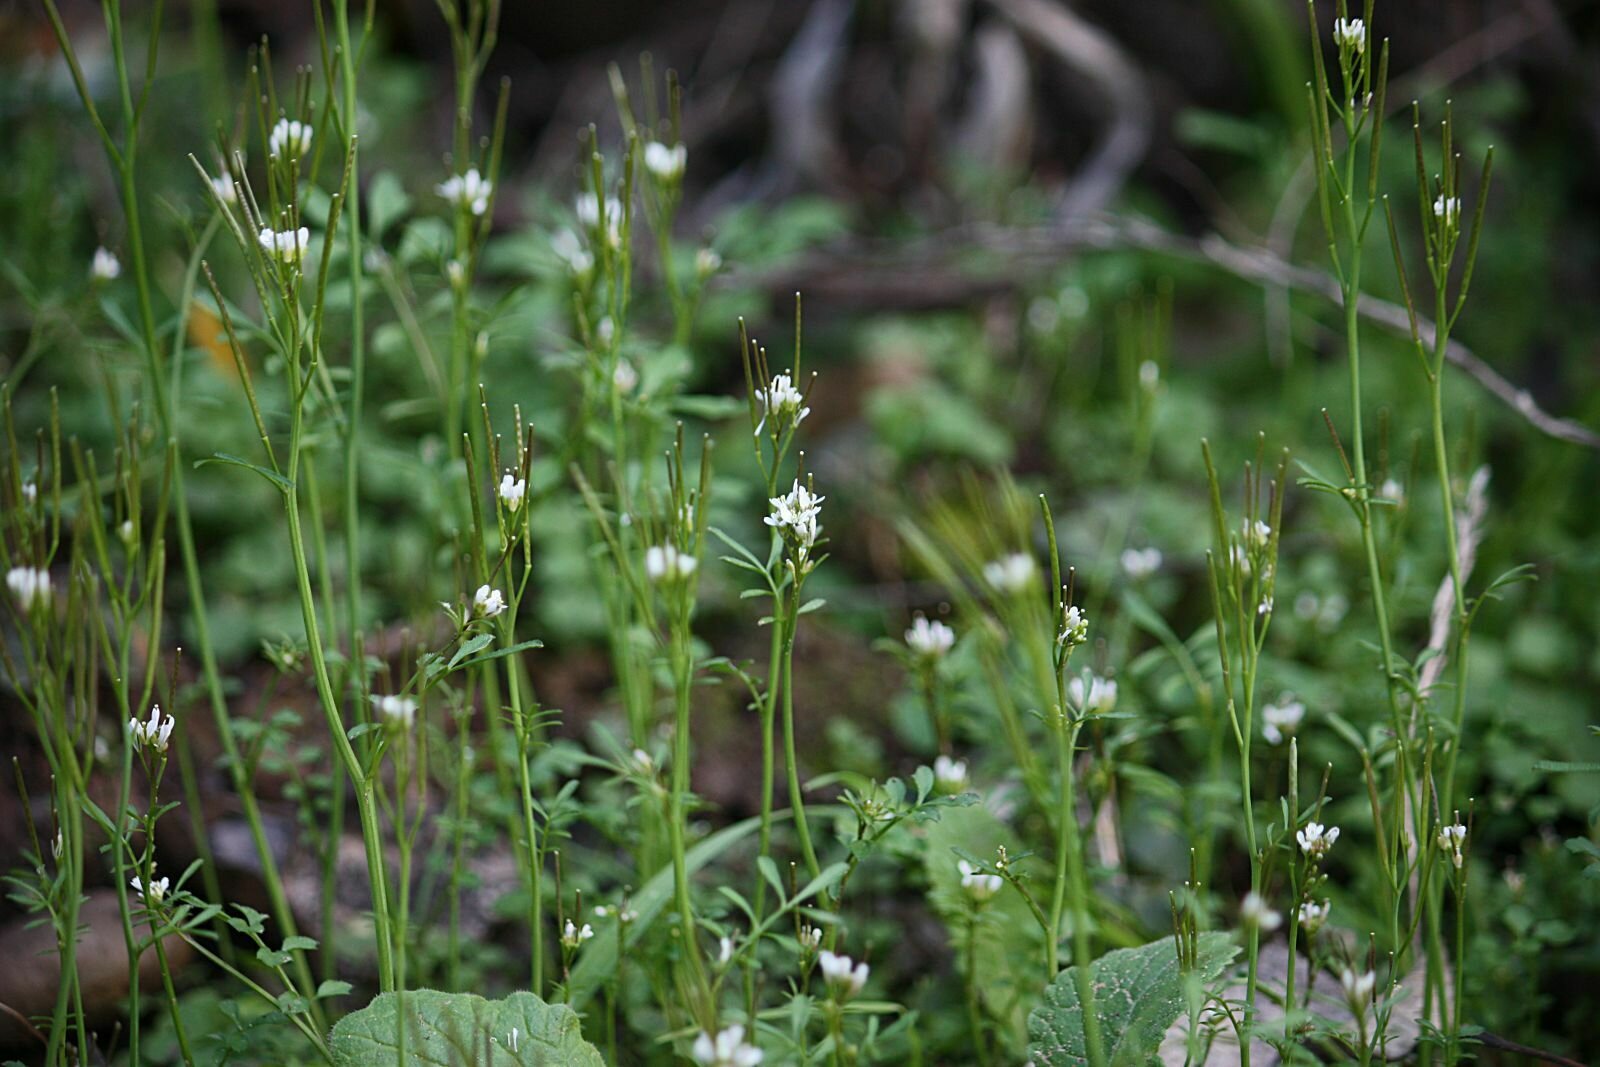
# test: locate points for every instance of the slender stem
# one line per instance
(790, 623)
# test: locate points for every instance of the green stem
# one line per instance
(790, 623)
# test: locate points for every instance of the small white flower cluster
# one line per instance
(568, 248)
(153, 734)
(707, 262)
(929, 640)
(399, 710)
(795, 515)
(625, 914)
(512, 489)
(1350, 34)
(624, 376)
(30, 493)
(1313, 915)
(104, 266)
(980, 887)
(843, 976)
(286, 246)
(664, 563)
(30, 586)
(223, 186)
(289, 137)
(1451, 839)
(470, 190)
(1011, 573)
(1141, 563)
(950, 775)
(781, 402)
(810, 938)
(1074, 627)
(1393, 491)
(725, 1048)
(724, 951)
(587, 207)
(1447, 209)
(1281, 719)
(487, 602)
(1316, 839)
(1096, 696)
(1256, 534)
(1358, 988)
(1255, 912)
(573, 935)
(154, 892)
(667, 163)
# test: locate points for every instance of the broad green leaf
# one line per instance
(450, 1029)
(1138, 995)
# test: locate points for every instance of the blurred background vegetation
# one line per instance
(995, 211)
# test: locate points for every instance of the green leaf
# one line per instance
(520, 646)
(442, 1029)
(468, 647)
(332, 988)
(1139, 992)
(274, 477)
(299, 943)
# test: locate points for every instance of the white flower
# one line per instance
(1254, 911)
(624, 377)
(104, 266)
(30, 586)
(223, 186)
(1257, 533)
(154, 893)
(1281, 719)
(291, 137)
(843, 976)
(1358, 988)
(664, 563)
(455, 272)
(401, 711)
(1139, 563)
(782, 403)
(950, 775)
(1313, 915)
(58, 846)
(1351, 34)
(1315, 840)
(155, 733)
(810, 938)
(588, 208)
(1149, 375)
(573, 935)
(569, 249)
(512, 489)
(287, 246)
(1447, 209)
(725, 1048)
(1098, 697)
(796, 513)
(487, 602)
(1074, 626)
(1450, 840)
(1392, 490)
(128, 532)
(979, 886)
(643, 760)
(469, 190)
(707, 262)
(930, 640)
(30, 492)
(1010, 574)
(665, 163)
(724, 951)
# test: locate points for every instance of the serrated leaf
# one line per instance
(1139, 992)
(443, 1029)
